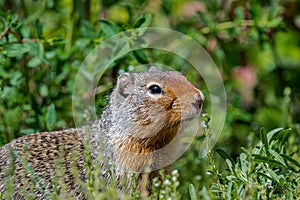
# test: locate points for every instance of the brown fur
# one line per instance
(134, 125)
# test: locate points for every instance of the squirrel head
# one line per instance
(144, 115)
(154, 100)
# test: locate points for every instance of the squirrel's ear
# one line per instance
(123, 85)
(153, 69)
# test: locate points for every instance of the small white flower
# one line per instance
(175, 172)
(167, 182)
(208, 172)
(130, 68)
(174, 178)
(203, 124)
(121, 71)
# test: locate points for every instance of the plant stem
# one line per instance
(4, 33)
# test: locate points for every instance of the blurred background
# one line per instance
(255, 44)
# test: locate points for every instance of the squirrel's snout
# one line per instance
(195, 106)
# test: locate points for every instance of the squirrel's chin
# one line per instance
(191, 116)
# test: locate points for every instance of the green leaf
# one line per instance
(109, 27)
(283, 135)
(263, 138)
(88, 30)
(14, 18)
(192, 191)
(34, 62)
(51, 117)
(268, 160)
(15, 21)
(264, 175)
(15, 50)
(244, 164)
(292, 160)
(44, 90)
(224, 155)
(39, 28)
(275, 22)
(270, 136)
(246, 151)
(273, 133)
(36, 49)
(143, 21)
(16, 78)
(205, 194)
(278, 157)
(229, 164)
(140, 56)
(229, 190)
(274, 176)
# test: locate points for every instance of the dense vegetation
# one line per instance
(255, 44)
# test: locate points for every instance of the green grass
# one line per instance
(269, 171)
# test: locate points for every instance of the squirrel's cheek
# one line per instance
(175, 118)
(175, 113)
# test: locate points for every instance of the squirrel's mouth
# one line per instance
(192, 114)
(190, 118)
(187, 119)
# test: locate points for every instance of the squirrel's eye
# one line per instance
(155, 89)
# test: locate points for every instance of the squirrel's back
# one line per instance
(32, 162)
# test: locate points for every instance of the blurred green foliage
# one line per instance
(254, 43)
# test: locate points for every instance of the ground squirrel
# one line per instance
(143, 115)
